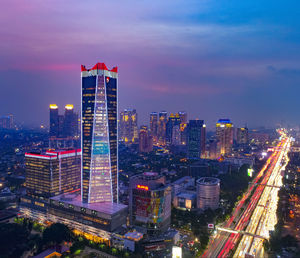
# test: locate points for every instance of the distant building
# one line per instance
(63, 131)
(208, 193)
(145, 140)
(162, 123)
(242, 135)
(52, 173)
(154, 126)
(7, 122)
(214, 149)
(173, 125)
(128, 126)
(150, 203)
(196, 138)
(224, 134)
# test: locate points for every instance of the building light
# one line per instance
(69, 106)
(53, 106)
(142, 187)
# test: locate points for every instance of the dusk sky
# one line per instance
(236, 59)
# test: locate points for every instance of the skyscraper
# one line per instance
(128, 126)
(54, 120)
(196, 137)
(145, 140)
(173, 125)
(70, 122)
(242, 135)
(224, 134)
(162, 122)
(154, 126)
(99, 134)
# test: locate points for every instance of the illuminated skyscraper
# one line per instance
(70, 122)
(54, 120)
(224, 134)
(162, 122)
(99, 134)
(128, 126)
(154, 126)
(196, 137)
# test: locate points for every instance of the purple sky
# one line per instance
(235, 59)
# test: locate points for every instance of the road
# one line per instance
(258, 216)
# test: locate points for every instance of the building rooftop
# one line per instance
(208, 181)
(104, 207)
(182, 180)
(186, 195)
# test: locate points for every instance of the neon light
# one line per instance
(143, 187)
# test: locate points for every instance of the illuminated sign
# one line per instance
(250, 172)
(143, 187)
(210, 225)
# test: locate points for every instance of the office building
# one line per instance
(208, 193)
(52, 173)
(99, 134)
(128, 126)
(196, 139)
(154, 126)
(150, 203)
(173, 121)
(145, 140)
(70, 122)
(224, 134)
(63, 131)
(183, 117)
(162, 122)
(242, 135)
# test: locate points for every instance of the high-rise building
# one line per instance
(183, 117)
(150, 203)
(162, 122)
(52, 173)
(145, 140)
(70, 122)
(128, 126)
(99, 134)
(196, 139)
(63, 128)
(54, 121)
(173, 121)
(242, 135)
(154, 126)
(224, 134)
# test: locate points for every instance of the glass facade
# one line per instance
(99, 135)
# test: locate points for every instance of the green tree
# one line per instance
(57, 233)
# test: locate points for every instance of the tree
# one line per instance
(57, 233)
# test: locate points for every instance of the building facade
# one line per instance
(162, 122)
(52, 173)
(208, 193)
(145, 140)
(224, 134)
(99, 134)
(154, 126)
(196, 138)
(150, 203)
(242, 135)
(128, 126)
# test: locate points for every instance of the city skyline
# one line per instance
(204, 58)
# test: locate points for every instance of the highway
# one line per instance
(258, 216)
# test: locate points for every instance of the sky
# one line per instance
(213, 59)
